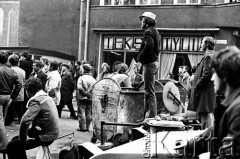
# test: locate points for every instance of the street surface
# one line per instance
(67, 125)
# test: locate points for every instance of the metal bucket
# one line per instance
(120, 105)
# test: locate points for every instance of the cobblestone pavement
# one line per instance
(67, 125)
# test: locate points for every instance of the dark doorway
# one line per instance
(181, 60)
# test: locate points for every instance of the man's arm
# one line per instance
(81, 89)
(206, 73)
(17, 87)
(28, 117)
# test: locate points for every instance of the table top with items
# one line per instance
(159, 145)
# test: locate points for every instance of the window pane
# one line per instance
(182, 1)
(143, 1)
(193, 1)
(155, 1)
(107, 2)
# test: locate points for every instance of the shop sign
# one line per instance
(181, 44)
(122, 43)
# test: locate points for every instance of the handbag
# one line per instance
(43, 153)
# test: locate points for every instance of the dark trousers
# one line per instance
(70, 108)
(14, 107)
(16, 149)
(150, 102)
(84, 113)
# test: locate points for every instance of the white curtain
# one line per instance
(167, 64)
(194, 59)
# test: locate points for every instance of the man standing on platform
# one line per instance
(203, 97)
(148, 57)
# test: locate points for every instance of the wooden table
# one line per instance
(158, 145)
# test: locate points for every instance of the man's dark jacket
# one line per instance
(150, 46)
(9, 82)
(26, 65)
(40, 75)
(67, 87)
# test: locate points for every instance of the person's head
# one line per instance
(147, 20)
(54, 65)
(70, 64)
(208, 43)
(123, 68)
(13, 60)
(86, 68)
(78, 63)
(180, 69)
(3, 57)
(105, 67)
(185, 69)
(25, 55)
(37, 65)
(170, 75)
(44, 60)
(32, 86)
(226, 68)
(194, 69)
(65, 68)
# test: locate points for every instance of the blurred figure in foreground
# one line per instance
(42, 115)
(226, 79)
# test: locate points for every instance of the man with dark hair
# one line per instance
(148, 57)
(10, 85)
(53, 83)
(84, 98)
(203, 98)
(42, 115)
(38, 72)
(17, 104)
(67, 89)
(26, 63)
(226, 79)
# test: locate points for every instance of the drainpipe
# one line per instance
(80, 30)
(86, 30)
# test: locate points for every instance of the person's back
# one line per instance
(43, 113)
(39, 125)
(9, 82)
(26, 64)
(122, 79)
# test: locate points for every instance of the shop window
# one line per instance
(1, 20)
(116, 2)
(187, 1)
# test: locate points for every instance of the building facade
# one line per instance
(46, 24)
(109, 30)
(115, 34)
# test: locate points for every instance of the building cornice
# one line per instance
(159, 29)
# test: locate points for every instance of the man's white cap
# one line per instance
(148, 15)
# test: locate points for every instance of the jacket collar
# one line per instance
(229, 99)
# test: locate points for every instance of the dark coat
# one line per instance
(40, 75)
(26, 65)
(67, 87)
(150, 46)
(203, 97)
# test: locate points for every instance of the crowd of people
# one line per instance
(37, 91)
